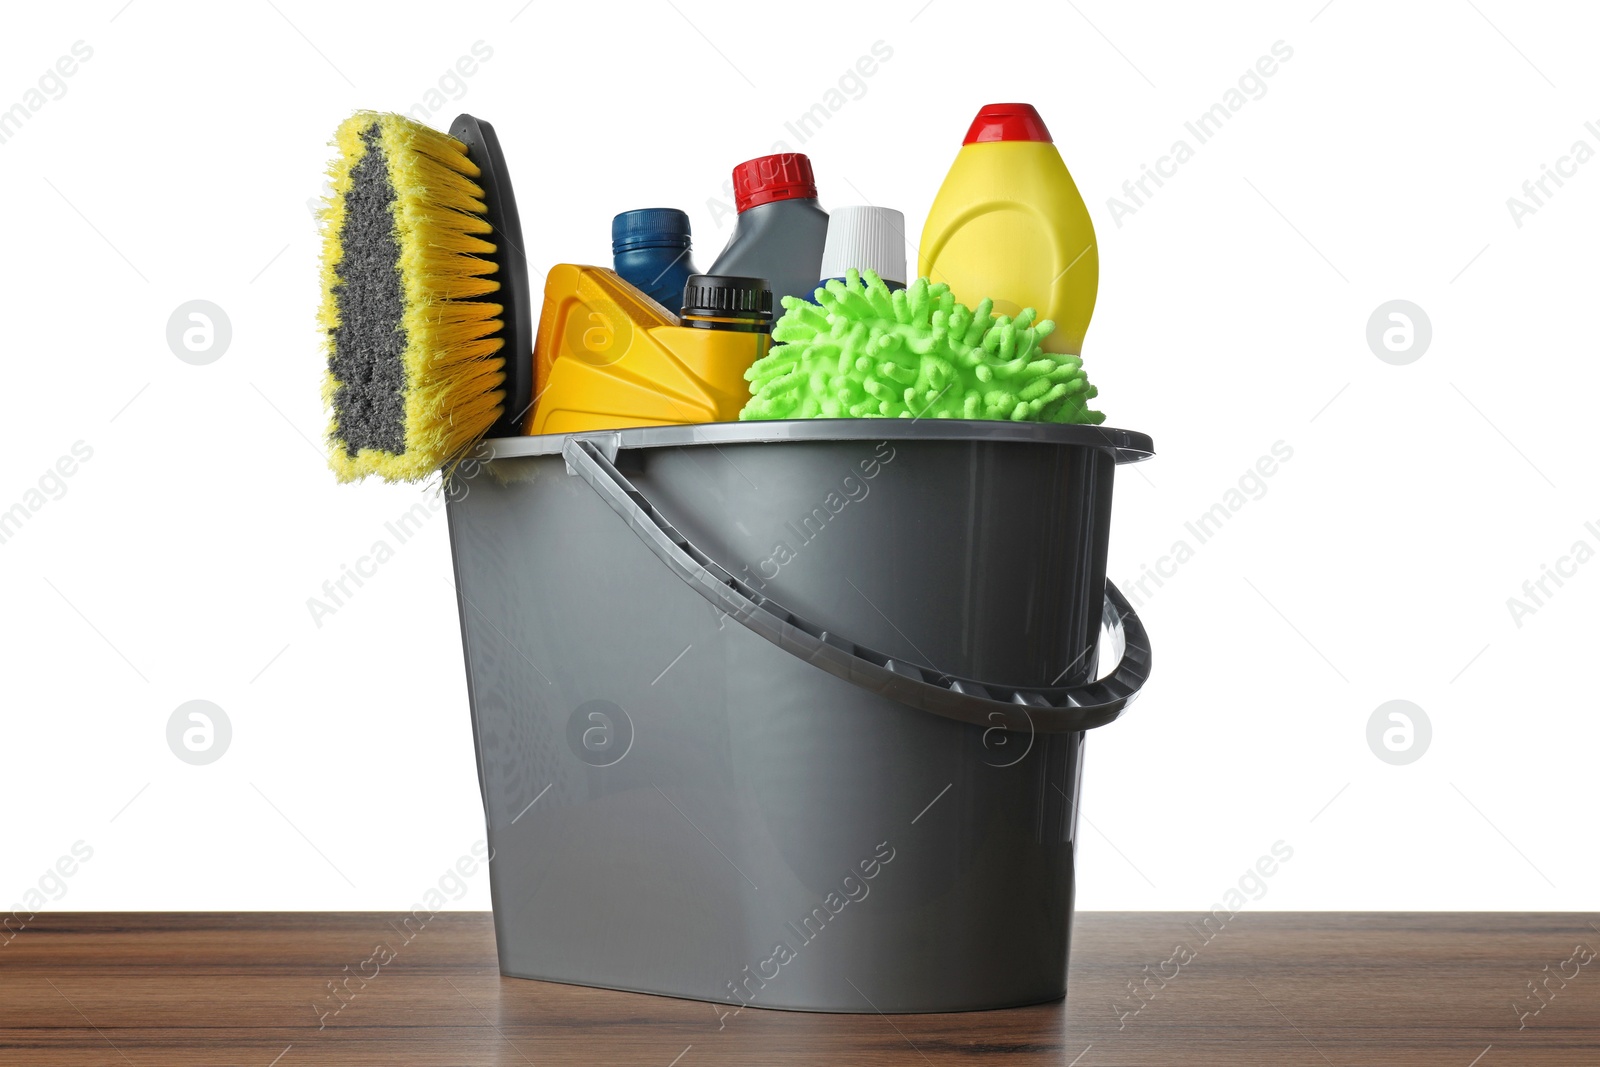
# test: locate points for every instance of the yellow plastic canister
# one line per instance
(608, 357)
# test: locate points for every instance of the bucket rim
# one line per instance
(1126, 446)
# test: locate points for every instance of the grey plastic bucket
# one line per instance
(791, 714)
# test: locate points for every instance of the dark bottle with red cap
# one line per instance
(781, 227)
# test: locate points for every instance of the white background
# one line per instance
(1234, 302)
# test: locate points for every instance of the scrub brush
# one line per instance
(867, 352)
(424, 297)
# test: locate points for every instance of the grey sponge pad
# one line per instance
(369, 403)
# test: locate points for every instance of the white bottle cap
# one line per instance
(866, 238)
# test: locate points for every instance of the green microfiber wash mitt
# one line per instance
(867, 352)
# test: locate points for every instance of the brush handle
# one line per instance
(516, 314)
(1044, 710)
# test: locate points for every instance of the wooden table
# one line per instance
(1272, 989)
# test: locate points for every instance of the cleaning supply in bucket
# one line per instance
(781, 229)
(424, 297)
(607, 357)
(1008, 223)
(867, 238)
(869, 351)
(650, 248)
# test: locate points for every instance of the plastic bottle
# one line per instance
(866, 238)
(607, 357)
(650, 248)
(1008, 224)
(781, 228)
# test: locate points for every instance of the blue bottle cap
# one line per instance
(649, 227)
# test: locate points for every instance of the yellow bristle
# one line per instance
(445, 314)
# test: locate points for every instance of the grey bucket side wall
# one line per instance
(919, 586)
(1024, 606)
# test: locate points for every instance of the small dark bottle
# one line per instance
(727, 302)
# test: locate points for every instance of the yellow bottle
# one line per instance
(608, 357)
(1008, 224)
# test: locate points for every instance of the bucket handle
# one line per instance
(1046, 710)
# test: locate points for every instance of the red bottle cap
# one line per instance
(785, 176)
(1007, 122)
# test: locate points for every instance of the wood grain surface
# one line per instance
(1280, 989)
